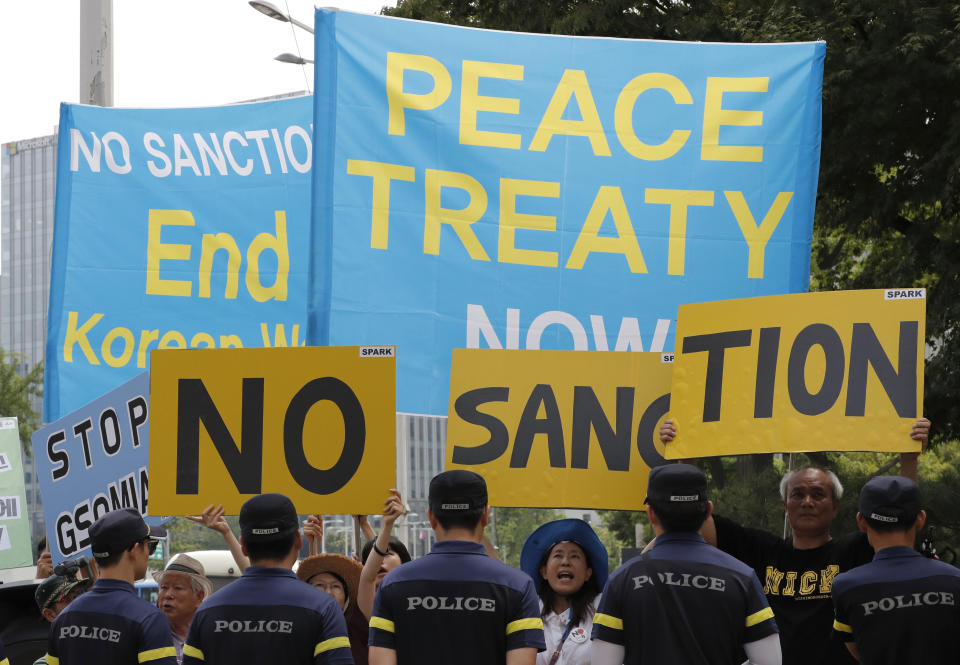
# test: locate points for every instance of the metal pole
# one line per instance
(96, 52)
(403, 471)
(786, 523)
(357, 535)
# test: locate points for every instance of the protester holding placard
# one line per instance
(212, 518)
(456, 604)
(568, 565)
(268, 615)
(798, 573)
(902, 607)
(381, 555)
(313, 532)
(109, 623)
(683, 601)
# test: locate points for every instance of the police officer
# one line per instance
(268, 615)
(110, 623)
(685, 601)
(797, 572)
(902, 607)
(456, 605)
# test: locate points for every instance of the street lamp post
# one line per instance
(406, 522)
(274, 12)
(293, 59)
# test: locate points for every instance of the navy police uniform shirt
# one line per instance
(900, 608)
(268, 616)
(720, 598)
(111, 624)
(3, 655)
(456, 605)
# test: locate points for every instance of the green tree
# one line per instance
(184, 535)
(18, 388)
(754, 500)
(512, 526)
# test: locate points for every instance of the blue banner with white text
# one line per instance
(489, 189)
(174, 228)
(94, 461)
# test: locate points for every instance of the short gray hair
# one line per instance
(835, 483)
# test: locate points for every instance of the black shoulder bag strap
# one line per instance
(681, 628)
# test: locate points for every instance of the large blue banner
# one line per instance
(175, 228)
(93, 461)
(507, 190)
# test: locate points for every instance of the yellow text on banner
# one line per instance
(314, 423)
(569, 429)
(838, 370)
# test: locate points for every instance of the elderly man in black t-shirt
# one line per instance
(797, 573)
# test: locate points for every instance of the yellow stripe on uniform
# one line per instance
(5, 661)
(524, 624)
(154, 654)
(608, 621)
(51, 660)
(193, 652)
(333, 643)
(382, 624)
(842, 626)
(757, 617)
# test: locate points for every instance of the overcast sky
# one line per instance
(166, 53)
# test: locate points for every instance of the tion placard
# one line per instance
(316, 424)
(558, 428)
(840, 370)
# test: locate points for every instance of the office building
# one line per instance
(28, 172)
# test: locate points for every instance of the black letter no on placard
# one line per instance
(312, 479)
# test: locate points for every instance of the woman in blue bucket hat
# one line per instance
(568, 564)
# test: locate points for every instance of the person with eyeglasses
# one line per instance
(338, 576)
(110, 623)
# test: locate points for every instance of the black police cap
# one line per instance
(456, 492)
(676, 483)
(890, 499)
(266, 517)
(118, 531)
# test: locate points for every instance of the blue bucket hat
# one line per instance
(569, 530)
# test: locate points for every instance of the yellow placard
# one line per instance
(314, 423)
(838, 370)
(557, 429)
